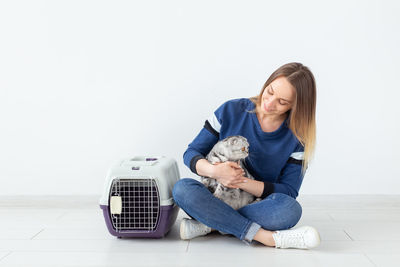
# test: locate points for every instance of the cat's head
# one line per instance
(238, 147)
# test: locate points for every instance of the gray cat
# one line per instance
(233, 148)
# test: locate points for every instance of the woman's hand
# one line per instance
(229, 174)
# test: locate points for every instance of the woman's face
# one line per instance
(278, 97)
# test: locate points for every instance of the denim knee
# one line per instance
(290, 213)
(293, 211)
(179, 190)
(296, 213)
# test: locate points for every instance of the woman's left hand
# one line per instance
(242, 181)
(230, 179)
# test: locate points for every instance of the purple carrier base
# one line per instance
(167, 218)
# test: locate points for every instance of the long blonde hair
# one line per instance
(302, 114)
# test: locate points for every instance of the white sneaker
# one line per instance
(191, 228)
(303, 237)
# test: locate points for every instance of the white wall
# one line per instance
(84, 83)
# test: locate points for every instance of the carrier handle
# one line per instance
(116, 205)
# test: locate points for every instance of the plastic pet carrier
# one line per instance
(137, 199)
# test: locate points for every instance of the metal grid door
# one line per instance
(140, 204)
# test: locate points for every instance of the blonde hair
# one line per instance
(302, 114)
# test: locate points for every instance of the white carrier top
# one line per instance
(164, 171)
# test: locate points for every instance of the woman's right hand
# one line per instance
(228, 174)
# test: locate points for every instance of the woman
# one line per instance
(279, 125)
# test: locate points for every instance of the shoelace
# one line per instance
(203, 228)
(291, 239)
(197, 227)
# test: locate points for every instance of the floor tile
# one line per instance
(183, 259)
(4, 254)
(103, 246)
(384, 259)
(360, 246)
(71, 231)
(365, 215)
(309, 216)
(19, 233)
(372, 231)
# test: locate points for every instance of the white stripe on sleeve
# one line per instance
(297, 155)
(214, 122)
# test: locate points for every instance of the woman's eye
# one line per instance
(284, 103)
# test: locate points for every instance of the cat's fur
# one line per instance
(233, 148)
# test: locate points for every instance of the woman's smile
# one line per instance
(266, 109)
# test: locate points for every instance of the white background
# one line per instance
(85, 83)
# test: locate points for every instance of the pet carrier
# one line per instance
(137, 199)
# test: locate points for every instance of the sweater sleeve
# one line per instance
(205, 140)
(290, 178)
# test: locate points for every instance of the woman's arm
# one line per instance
(254, 187)
(228, 173)
(205, 168)
(288, 183)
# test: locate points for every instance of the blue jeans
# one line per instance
(276, 212)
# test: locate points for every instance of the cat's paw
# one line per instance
(206, 185)
(257, 200)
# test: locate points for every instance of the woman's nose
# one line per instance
(270, 103)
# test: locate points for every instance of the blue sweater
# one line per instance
(275, 158)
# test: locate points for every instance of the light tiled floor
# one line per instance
(70, 231)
